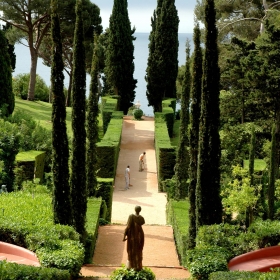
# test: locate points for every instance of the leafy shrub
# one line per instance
(16, 271)
(137, 114)
(28, 222)
(130, 274)
(222, 235)
(202, 262)
(21, 84)
(244, 275)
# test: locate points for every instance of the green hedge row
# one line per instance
(165, 153)
(15, 271)
(108, 148)
(176, 216)
(94, 213)
(27, 221)
(168, 113)
(217, 244)
(244, 275)
(109, 104)
(105, 190)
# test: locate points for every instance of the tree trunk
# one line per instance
(68, 99)
(33, 70)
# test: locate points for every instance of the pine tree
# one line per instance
(60, 157)
(78, 162)
(7, 98)
(119, 62)
(92, 122)
(208, 201)
(194, 131)
(181, 167)
(272, 169)
(162, 68)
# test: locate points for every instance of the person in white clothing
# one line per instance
(127, 177)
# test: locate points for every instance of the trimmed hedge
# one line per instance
(244, 275)
(27, 221)
(176, 216)
(109, 104)
(165, 153)
(108, 148)
(16, 271)
(105, 190)
(94, 206)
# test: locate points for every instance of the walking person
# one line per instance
(127, 177)
(141, 161)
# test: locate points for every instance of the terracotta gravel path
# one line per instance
(159, 252)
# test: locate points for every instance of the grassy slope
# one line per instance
(42, 112)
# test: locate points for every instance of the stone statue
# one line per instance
(134, 235)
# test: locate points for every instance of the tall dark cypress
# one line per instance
(92, 122)
(162, 69)
(194, 131)
(60, 156)
(252, 156)
(208, 200)
(151, 76)
(119, 65)
(272, 172)
(7, 98)
(181, 167)
(78, 162)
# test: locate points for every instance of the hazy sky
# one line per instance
(141, 11)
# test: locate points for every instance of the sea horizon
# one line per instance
(141, 52)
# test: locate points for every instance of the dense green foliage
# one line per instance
(131, 274)
(181, 167)
(78, 161)
(194, 131)
(60, 148)
(32, 227)
(208, 201)
(7, 99)
(137, 114)
(9, 147)
(21, 83)
(16, 271)
(119, 65)
(162, 68)
(92, 123)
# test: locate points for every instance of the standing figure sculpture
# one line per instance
(134, 235)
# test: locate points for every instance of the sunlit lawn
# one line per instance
(42, 113)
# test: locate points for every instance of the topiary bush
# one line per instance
(131, 274)
(137, 114)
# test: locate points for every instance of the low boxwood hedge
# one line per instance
(15, 271)
(27, 221)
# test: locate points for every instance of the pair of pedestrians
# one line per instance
(127, 171)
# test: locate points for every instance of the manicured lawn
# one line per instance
(259, 164)
(42, 112)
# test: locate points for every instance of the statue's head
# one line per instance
(137, 209)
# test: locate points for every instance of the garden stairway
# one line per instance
(159, 250)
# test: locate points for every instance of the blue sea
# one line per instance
(141, 52)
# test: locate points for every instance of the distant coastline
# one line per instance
(141, 53)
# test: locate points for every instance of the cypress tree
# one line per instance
(78, 162)
(272, 169)
(92, 122)
(119, 64)
(194, 131)
(162, 69)
(252, 156)
(181, 167)
(60, 156)
(208, 200)
(151, 71)
(7, 98)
